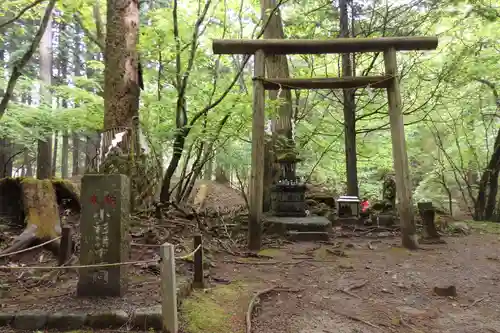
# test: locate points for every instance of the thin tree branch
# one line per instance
(93, 38)
(21, 13)
(99, 26)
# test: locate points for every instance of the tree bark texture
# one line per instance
(54, 154)
(28, 163)
(121, 79)
(488, 185)
(76, 154)
(281, 124)
(64, 46)
(6, 158)
(349, 108)
(44, 162)
(277, 67)
(65, 155)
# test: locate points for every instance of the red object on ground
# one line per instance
(364, 205)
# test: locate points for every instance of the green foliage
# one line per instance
(449, 109)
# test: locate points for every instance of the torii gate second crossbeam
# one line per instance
(389, 46)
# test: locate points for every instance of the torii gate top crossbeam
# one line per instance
(337, 45)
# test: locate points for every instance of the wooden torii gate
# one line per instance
(389, 81)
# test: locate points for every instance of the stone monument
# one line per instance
(104, 223)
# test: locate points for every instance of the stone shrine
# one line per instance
(288, 214)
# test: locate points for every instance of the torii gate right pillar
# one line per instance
(400, 156)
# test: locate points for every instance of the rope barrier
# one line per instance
(80, 266)
(189, 254)
(29, 248)
(97, 265)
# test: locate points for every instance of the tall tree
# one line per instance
(43, 166)
(18, 67)
(277, 67)
(121, 79)
(281, 124)
(349, 107)
(77, 64)
(5, 144)
(63, 73)
(486, 200)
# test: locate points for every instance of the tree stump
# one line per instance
(38, 202)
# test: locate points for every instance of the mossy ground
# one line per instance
(484, 226)
(218, 310)
(271, 252)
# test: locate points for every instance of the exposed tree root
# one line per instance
(26, 239)
(38, 202)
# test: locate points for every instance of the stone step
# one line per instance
(307, 236)
(281, 225)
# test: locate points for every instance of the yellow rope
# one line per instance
(29, 248)
(97, 265)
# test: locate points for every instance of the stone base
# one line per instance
(348, 220)
(280, 225)
(141, 318)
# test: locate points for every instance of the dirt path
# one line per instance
(389, 288)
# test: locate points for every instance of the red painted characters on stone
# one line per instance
(93, 199)
(110, 200)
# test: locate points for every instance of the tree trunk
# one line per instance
(209, 164)
(28, 163)
(75, 137)
(91, 148)
(65, 156)
(43, 167)
(6, 159)
(64, 46)
(121, 79)
(489, 210)
(276, 67)
(76, 155)
(54, 153)
(488, 185)
(349, 109)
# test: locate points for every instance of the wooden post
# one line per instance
(400, 157)
(65, 247)
(258, 151)
(168, 289)
(198, 262)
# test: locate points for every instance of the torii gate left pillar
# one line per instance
(256, 187)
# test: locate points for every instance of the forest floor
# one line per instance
(359, 285)
(358, 282)
(353, 284)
